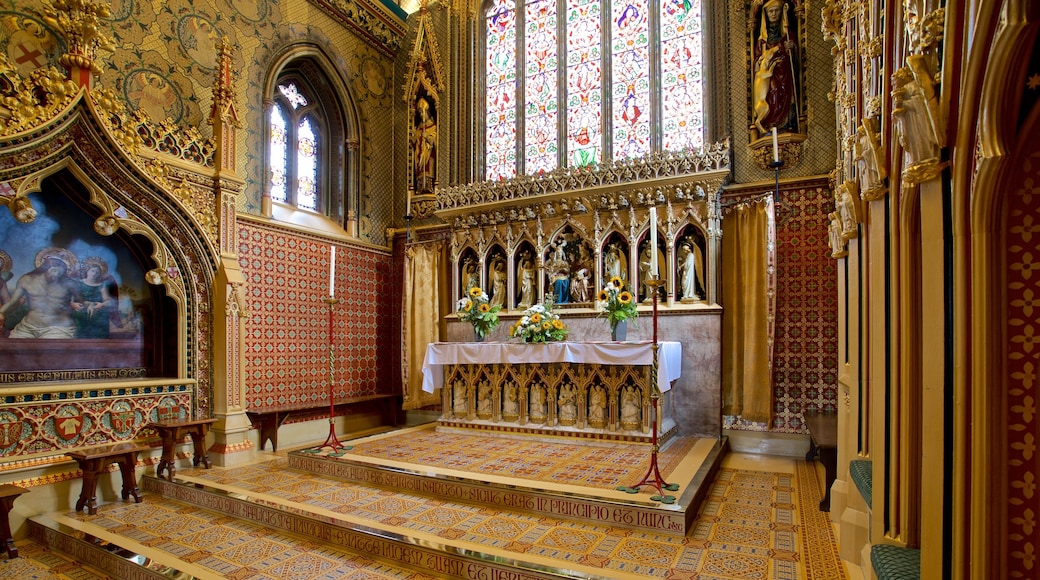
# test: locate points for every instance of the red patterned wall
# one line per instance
(805, 348)
(287, 277)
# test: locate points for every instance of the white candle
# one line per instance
(408, 211)
(332, 272)
(653, 241)
(776, 148)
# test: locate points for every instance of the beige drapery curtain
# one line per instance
(422, 316)
(747, 386)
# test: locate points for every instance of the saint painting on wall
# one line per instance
(775, 66)
(424, 143)
(61, 280)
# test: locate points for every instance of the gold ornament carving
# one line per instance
(79, 22)
(27, 103)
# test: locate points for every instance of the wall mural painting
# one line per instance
(70, 298)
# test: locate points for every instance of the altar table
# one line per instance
(439, 354)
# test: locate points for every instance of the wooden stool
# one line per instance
(9, 493)
(823, 440)
(94, 461)
(173, 431)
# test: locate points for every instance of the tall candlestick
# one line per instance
(408, 209)
(776, 148)
(332, 273)
(653, 241)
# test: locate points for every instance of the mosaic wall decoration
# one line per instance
(287, 335)
(805, 347)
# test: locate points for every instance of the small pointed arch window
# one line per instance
(297, 147)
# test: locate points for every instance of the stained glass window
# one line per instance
(682, 94)
(501, 65)
(294, 149)
(653, 94)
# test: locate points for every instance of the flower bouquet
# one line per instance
(539, 323)
(477, 310)
(616, 304)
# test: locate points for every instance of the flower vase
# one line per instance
(477, 337)
(619, 330)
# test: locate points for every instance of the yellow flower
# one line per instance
(475, 292)
(485, 308)
(603, 296)
(512, 330)
(546, 325)
(616, 282)
(536, 318)
(557, 324)
(625, 297)
(468, 306)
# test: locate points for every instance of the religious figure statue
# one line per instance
(691, 268)
(912, 119)
(458, 406)
(526, 280)
(49, 294)
(614, 264)
(537, 410)
(834, 234)
(845, 204)
(580, 285)
(597, 406)
(425, 146)
(21, 208)
(484, 400)
(775, 87)
(568, 409)
(498, 282)
(510, 409)
(470, 277)
(560, 268)
(630, 408)
(869, 162)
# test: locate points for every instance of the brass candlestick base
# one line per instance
(333, 439)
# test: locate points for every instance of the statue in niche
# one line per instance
(869, 165)
(912, 120)
(597, 406)
(470, 276)
(526, 280)
(834, 234)
(537, 410)
(510, 409)
(645, 262)
(498, 281)
(776, 60)
(614, 264)
(459, 407)
(581, 277)
(568, 408)
(845, 205)
(630, 402)
(484, 400)
(425, 145)
(560, 272)
(691, 269)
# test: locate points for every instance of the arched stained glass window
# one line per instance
(648, 55)
(294, 147)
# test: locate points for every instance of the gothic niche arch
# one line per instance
(76, 296)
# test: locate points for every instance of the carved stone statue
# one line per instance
(484, 400)
(510, 409)
(913, 125)
(537, 409)
(691, 268)
(834, 234)
(870, 165)
(630, 402)
(459, 407)
(845, 205)
(775, 47)
(568, 408)
(597, 407)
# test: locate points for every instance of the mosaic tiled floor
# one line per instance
(560, 462)
(752, 526)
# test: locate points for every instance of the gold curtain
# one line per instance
(747, 389)
(422, 316)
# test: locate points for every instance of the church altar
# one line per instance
(592, 389)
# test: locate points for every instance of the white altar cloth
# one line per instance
(438, 354)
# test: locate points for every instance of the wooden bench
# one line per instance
(172, 432)
(94, 461)
(823, 442)
(9, 493)
(268, 422)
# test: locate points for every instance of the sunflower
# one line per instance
(475, 291)
(616, 282)
(546, 325)
(536, 318)
(468, 306)
(602, 296)
(625, 297)
(557, 324)
(485, 308)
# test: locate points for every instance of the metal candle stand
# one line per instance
(333, 439)
(775, 166)
(653, 474)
